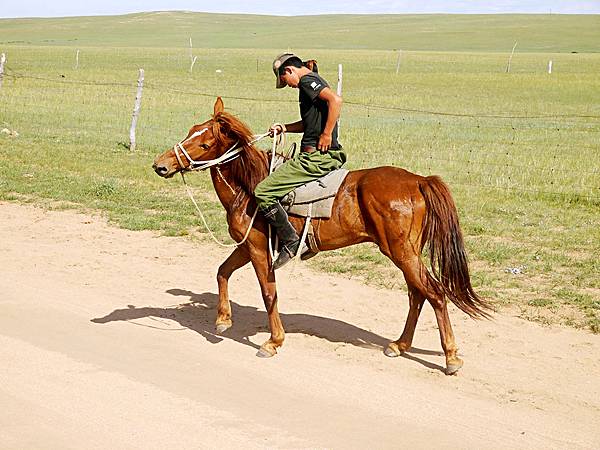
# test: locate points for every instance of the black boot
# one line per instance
(288, 238)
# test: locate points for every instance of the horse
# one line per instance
(401, 212)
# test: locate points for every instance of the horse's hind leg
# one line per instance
(415, 274)
(416, 300)
(453, 362)
(237, 259)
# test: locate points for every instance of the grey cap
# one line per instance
(279, 61)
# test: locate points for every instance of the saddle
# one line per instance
(313, 200)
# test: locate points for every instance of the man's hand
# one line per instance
(280, 128)
(324, 142)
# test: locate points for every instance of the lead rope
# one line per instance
(277, 140)
(236, 244)
(191, 195)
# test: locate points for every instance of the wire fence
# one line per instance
(467, 165)
(16, 75)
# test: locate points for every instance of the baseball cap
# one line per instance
(279, 61)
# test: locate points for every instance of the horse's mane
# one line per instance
(252, 165)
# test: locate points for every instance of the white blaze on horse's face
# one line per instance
(195, 147)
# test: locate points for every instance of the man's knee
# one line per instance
(263, 198)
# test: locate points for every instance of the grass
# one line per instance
(425, 32)
(520, 151)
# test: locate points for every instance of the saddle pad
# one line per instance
(320, 193)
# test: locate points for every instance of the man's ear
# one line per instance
(219, 106)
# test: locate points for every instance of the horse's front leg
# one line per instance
(268, 288)
(237, 259)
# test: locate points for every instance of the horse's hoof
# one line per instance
(222, 328)
(452, 368)
(263, 353)
(392, 351)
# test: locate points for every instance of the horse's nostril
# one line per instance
(161, 170)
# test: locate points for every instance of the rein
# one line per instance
(231, 154)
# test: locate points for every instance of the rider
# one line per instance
(320, 152)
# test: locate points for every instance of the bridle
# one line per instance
(232, 153)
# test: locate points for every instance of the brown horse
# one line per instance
(399, 211)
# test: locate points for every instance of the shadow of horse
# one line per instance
(197, 314)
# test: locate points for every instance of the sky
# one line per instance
(59, 8)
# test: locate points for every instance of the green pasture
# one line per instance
(431, 32)
(520, 151)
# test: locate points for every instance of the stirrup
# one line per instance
(284, 257)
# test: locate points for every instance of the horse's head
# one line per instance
(203, 146)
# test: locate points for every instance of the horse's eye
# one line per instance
(204, 146)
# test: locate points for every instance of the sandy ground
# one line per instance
(107, 341)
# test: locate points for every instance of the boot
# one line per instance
(288, 238)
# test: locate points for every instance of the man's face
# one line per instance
(290, 77)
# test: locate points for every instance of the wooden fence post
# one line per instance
(550, 66)
(77, 60)
(136, 110)
(510, 57)
(398, 63)
(192, 57)
(339, 92)
(2, 61)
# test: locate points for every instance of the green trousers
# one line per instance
(303, 168)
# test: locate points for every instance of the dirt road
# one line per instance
(107, 341)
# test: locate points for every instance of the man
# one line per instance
(320, 152)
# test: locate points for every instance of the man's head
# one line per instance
(285, 68)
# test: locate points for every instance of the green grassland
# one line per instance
(433, 32)
(520, 150)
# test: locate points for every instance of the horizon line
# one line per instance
(314, 15)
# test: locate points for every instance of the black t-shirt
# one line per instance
(314, 111)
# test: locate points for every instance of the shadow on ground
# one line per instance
(198, 314)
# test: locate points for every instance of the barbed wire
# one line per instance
(472, 115)
(11, 73)
(15, 74)
(594, 199)
(408, 154)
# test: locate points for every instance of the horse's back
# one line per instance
(384, 182)
(373, 203)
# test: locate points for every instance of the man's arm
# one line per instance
(296, 127)
(334, 106)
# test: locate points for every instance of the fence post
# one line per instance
(77, 60)
(2, 61)
(192, 57)
(398, 63)
(136, 110)
(339, 92)
(550, 66)
(510, 57)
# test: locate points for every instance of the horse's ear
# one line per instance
(219, 106)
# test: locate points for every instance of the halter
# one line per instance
(231, 153)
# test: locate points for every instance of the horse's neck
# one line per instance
(230, 187)
(226, 187)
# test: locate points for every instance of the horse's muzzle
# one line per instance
(160, 170)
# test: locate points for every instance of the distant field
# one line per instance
(520, 151)
(433, 32)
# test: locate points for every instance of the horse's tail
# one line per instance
(448, 258)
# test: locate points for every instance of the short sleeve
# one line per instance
(312, 85)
